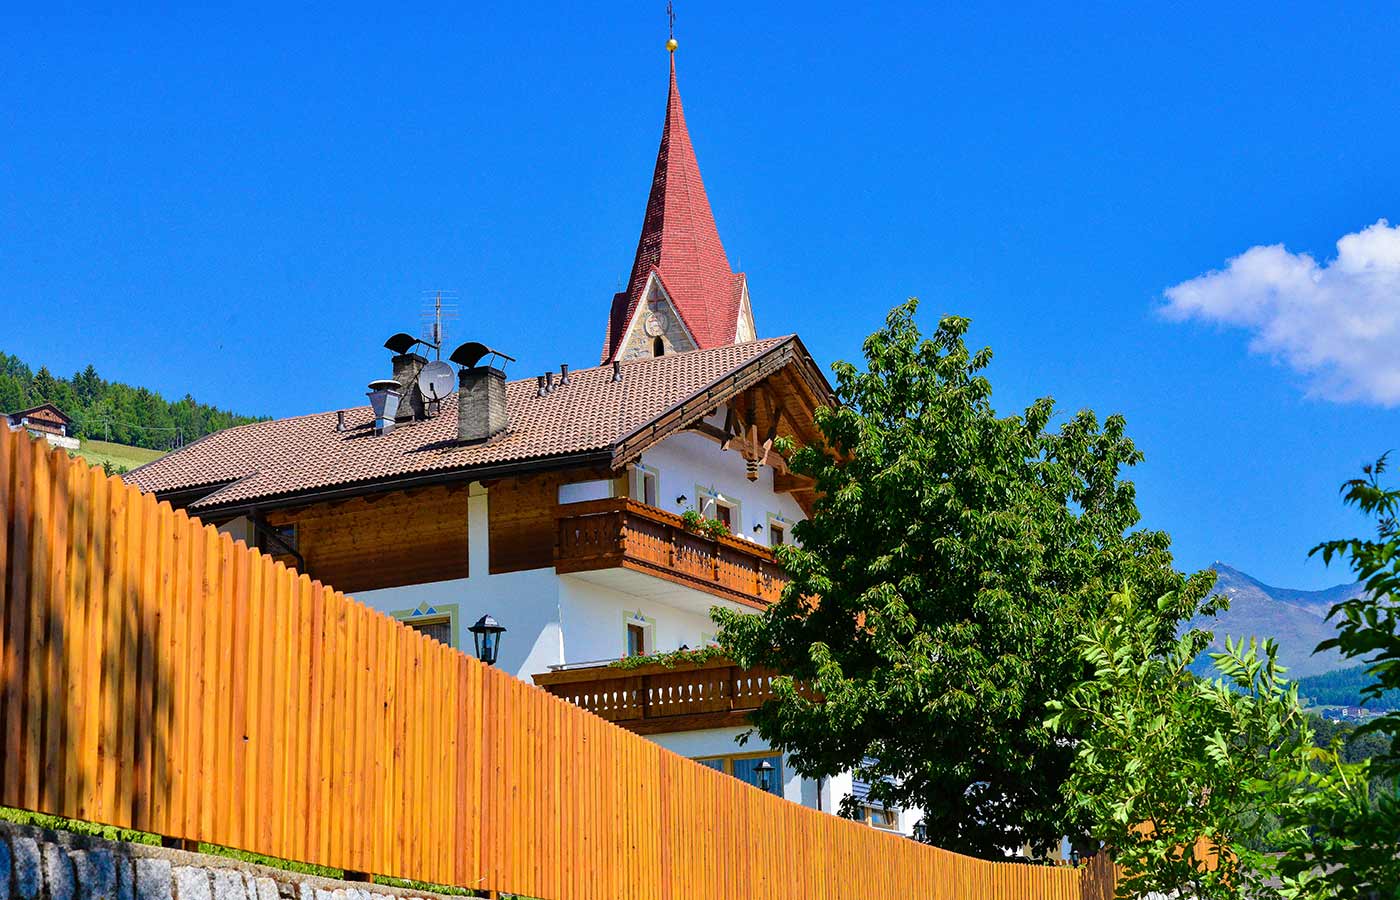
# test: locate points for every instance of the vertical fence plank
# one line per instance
(20, 521)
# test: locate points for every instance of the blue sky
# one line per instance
(244, 203)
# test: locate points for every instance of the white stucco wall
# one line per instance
(686, 460)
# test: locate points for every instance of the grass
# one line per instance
(120, 456)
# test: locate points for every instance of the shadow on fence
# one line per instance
(84, 685)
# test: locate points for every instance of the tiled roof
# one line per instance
(283, 457)
(681, 243)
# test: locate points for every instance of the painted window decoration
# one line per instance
(437, 622)
(744, 766)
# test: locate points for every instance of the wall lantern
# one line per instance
(680, 501)
(487, 635)
(921, 832)
(765, 776)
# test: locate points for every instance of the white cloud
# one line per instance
(1337, 323)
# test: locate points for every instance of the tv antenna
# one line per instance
(439, 308)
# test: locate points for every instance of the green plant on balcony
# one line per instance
(671, 658)
(694, 521)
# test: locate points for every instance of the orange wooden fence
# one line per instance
(156, 675)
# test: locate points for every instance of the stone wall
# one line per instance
(37, 864)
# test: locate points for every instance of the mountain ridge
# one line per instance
(1294, 618)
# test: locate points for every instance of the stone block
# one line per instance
(4, 869)
(126, 878)
(58, 873)
(229, 885)
(96, 874)
(265, 889)
(24, 858)
(192, 883)
(153, 879)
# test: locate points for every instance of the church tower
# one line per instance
(682, 294)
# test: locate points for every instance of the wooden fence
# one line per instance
(156, 675)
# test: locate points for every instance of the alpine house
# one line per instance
(555, 505)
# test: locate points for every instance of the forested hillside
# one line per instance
(1343, 688)
(110, 410)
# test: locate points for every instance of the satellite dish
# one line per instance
(400, 343)
(436, 380)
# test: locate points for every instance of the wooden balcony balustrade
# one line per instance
(622, 533)
(655, 698)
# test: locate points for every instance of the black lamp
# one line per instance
(765, 776)
(487, 635)
(921, 832)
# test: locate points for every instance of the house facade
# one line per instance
(576, 507)
(45, 421)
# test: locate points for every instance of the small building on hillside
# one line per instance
(45, 421)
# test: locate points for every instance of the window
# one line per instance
(879, 816)
(713, 505)
(744, 766)
(638, 634)
(646, 485)
(875, 813)
(277, 539)
(439, 629)
(658, 347)
(779, 530)
(636, 640)
(438, 622)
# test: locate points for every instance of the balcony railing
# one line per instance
(656, 698)
(622, 533)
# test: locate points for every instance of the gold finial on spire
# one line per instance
(671, 44)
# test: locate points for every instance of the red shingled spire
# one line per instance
(681, 244)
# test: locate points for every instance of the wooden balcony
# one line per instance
(624, 534)
(656, 699)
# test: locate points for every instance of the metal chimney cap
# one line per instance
(401, 343)
(385, 384)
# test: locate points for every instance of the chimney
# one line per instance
(549, 382)
(384, 398)
(617, 370)
(340, 420)
(563, 373)
(481, 403)
(406, 369)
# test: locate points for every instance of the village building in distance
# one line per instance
(555, 503)
(45, 421)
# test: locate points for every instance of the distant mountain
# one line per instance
(1293, 618)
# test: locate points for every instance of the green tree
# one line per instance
(1185, 781)
(1369, 625)
(950, 560)
(1349, 825)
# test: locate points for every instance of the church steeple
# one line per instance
(682, 294)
